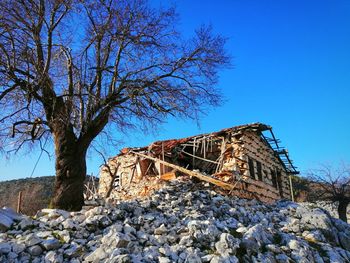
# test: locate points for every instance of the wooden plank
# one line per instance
(200, 176)
(162, 168)
(19, 202)
(132, 175)
(168, 176)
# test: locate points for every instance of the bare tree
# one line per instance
(332, 185)
(71, 68)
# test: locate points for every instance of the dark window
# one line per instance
(279, 181)
(266, 173)
(251, 167)
(259, 171)
(273, 178)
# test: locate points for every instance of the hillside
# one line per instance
(183, 222)
(36, 193)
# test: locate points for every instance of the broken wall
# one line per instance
(133, 177)
(241, 158)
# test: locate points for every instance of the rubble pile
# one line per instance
(331, 207)
(179, 223)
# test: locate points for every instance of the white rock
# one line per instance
(94, 211)
(64, 235)
(122, 259)
(259, 233)
(273, 248)
(186, 241)
(294, 244)
(79, 218)
(69, 224)
(314, 236)
(193, 258)
(51, 244)
(35, 250)
(9, 212)
(164, 260)
(227, 245)
(5, 248)
(218, 259)
(38, 259)
(207, 258)
(26, 223)
(242, 229)
(53, 257)
(18, 247)
(344, 241)
(5, 221)
(129, 229)
(12, 255)
(121, 240)
(54, 213)
(32, 240)
(316, 217)
(160, 230)
(43, 234)
(169, 252)
(72, 251)
(97, 256)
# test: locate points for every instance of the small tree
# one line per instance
(331, 185)
(71, 68)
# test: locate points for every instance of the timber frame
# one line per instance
(245, 160)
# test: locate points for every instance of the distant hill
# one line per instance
(36, 193)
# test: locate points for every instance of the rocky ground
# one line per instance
(180, 223)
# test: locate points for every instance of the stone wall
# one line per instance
(123, 173)
(249, 144)
(257, 149)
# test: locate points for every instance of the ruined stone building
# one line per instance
(245, 160)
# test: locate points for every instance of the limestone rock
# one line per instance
(53, 257)
(344, 241)
(97, 256)
(72, 251)
(179, 224)
(227, 245)
(50, 244)
(5, 248)
(160, 230)
(32, 240)
(5, 221)
(35, 250)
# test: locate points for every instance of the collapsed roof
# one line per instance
(166, 147)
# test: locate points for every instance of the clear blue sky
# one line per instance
(291, 71)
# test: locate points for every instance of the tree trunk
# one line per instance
(342, 210)
(70, 171)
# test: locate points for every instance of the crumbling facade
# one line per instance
(245, 160)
